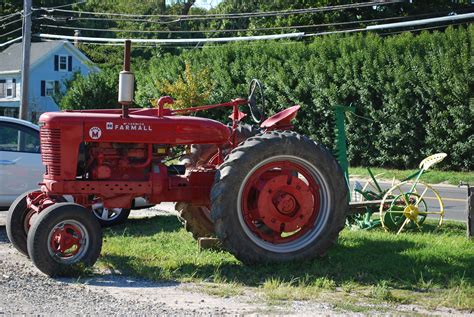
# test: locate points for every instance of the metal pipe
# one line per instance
(126, 56)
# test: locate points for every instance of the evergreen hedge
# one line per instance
(413, 91)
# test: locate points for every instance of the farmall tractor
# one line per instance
(272, 197)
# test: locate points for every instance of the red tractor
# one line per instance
(274, 196)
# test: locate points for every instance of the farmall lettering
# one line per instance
(128, 126)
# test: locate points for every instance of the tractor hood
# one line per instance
(140, 126)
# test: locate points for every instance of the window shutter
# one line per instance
(56, 86)
(69, 64)
(14, 87)
(43, 88)
(2, 88)
(56, 63)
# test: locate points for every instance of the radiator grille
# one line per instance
(51, 150)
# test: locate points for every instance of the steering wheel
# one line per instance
(256, 101)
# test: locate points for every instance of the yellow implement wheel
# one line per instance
(405, 206)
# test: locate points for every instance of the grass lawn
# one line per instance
(432, 268)
(430, 177)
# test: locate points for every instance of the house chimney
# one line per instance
(77, 33)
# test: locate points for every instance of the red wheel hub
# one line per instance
(66, 240)
(285, 203)
(280, 201)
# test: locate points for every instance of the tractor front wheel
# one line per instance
(279, 197)
(18, 222)
(64, 239)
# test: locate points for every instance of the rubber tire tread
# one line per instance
(14, 223)
(232, 172)
(38, 236)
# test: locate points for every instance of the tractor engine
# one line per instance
(116, 161)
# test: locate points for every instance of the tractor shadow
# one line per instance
(365, 260)
(139, 227)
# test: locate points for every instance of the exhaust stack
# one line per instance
(126, 81)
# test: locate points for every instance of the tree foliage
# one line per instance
(191, 89)
(96, 91)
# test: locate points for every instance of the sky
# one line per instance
(207, 4)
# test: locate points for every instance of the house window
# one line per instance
(63, 63)
(49, 88)
(7, 88)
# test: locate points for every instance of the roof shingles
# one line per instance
(10, 59)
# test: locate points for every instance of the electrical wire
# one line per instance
(5, 34)
(188, 45)
(72, 18)
(11, 22)
(192, 40)
(424, 28)
(238, 15)
(9, 16)
(234, 30)
(11, 41)
(47, 9)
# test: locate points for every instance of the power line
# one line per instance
(9, 16)
(11, 22)
(238, 15)
(233, 30)
(72, 18)
(222, 39)
(422, 21)
(195, 40)
(424, 28)
(155, 45)
(11, 41)
(59, 7)
(8, 33)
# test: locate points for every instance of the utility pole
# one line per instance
(25, 65)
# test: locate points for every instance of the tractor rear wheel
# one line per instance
(197, 219)
(64, 239)
(279, 197)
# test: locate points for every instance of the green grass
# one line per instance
(430, 268)
(430, 177)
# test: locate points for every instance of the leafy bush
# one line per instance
(412, 90)
(95, 91)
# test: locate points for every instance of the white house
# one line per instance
(51, 63)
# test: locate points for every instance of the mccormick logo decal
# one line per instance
(95, 133)
(128, 126)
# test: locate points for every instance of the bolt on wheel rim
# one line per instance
(68, 241)
(283, 203)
